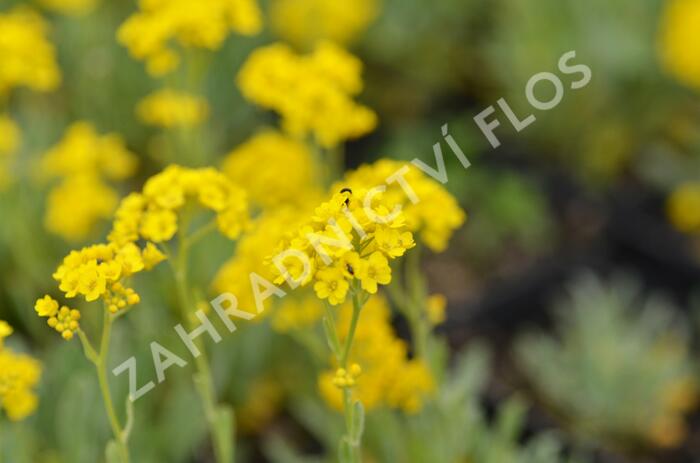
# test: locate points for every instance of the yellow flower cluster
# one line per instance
(349, 240)
(28, 57)
(153, 33)
(312, 93)
(304, 23)
(684, 208)
(9, 142)
(433, 213)
(70, 7)
(152, 214)
(679, 36)
(84, 161)
(389, 378)
(94, 272)
(170, 108)
(19, 374)
(274, 169)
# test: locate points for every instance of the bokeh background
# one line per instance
(572, 289)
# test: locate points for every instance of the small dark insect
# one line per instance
(351, 270)
(346, 190)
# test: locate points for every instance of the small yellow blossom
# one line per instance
(46, 306)
(373, 271)
(170, 108)
(331, 284)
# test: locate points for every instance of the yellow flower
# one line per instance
(307, 22)
(28, 58)
(92, 282)
(160, 26)
(684, 208)
(159, 225)
(373, 271)
(679, 36)
(170, 108)
(46, 307)
(331, 284)
(152, 256)
(313, 93)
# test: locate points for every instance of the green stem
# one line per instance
(219, 419)
(353, 437)
(99, 359)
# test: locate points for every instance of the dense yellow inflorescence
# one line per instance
(28, 57)
(436, 214)
(380, 372)
(312, 93)
(679, 36)
(348, 240)
(155, 32)
(84, 162)
(170, 108)
(304, 23)
(19, 375)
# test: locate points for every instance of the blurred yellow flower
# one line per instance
(312, 93)
(274, 169)
(19, 375)
(70, 7)
(83, 161)
(28, 57)
(304, 23)
(679, 36)
(381, 372)
(153, 33)
(684, 208)
(170, 108)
